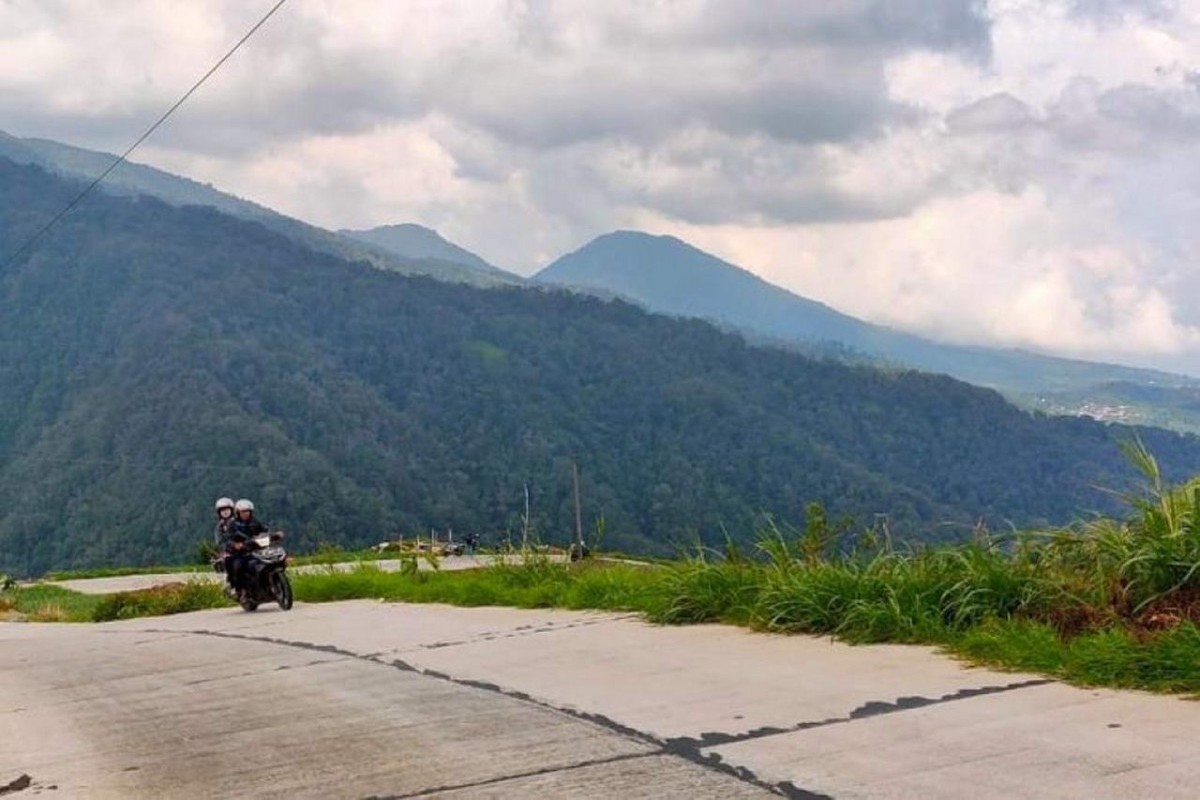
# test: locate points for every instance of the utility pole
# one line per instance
(578, 511)
(525, 523)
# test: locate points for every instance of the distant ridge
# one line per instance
(416, 242)
(131, 179)
(670, 276)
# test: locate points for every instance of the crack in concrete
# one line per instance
(314, 663)
(691, 749)
(20, 784)
(519, 776)
(873, 708)
(680, 748)
(519, 632)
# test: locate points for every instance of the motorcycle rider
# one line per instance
(243, 531)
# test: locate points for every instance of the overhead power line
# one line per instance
(121, 158)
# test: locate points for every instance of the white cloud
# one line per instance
(1021, 173)
(986, 266)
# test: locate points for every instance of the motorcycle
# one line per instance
(265, 579)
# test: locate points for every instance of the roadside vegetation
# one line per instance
(43, 603)
(1105, 602)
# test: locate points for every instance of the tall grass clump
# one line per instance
(46, 604)
(708, 587)
(176, 598)
(1144, 568)
(889, 595)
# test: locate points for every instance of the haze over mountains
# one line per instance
(669, 276)
(154, 357)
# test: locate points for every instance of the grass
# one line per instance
(1166, 661)
(47, 604)
(159, 601)
(535, 582)
(40, 603)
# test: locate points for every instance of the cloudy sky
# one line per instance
(1014, 172)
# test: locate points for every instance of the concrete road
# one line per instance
(126, 583)
(366, 699)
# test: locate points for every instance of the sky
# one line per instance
(1009, 172)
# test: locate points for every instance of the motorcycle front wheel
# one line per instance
(281, 590)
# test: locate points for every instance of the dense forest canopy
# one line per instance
(153, 358)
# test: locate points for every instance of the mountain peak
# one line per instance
(413, 241)
(618, 256)
(635, 235)
(410, 228)
(650, 241)
(669, 275)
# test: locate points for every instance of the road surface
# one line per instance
(126, 583)
(366, 699)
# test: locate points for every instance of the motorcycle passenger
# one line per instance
(222, 532)
(244, 529)
(225, 519)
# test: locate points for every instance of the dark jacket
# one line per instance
(238, 564)
(244, 531)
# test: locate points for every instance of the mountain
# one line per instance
(132, 180)
(418, 243)
(154, 357)
(669, 276)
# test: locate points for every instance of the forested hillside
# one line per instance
(153, 357)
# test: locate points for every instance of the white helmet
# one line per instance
(244, 505)
(224, 502)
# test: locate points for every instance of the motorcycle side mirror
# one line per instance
(277, 536)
